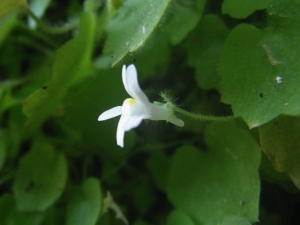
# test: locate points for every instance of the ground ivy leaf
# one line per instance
(131, 28)
(72, 61)
(85, 204)
(177, 217)
(224, 181)
(185, 16)
(259, 67)
(242, 9)
(204, 45)
(40, 178)
(8, 6)
(279, 140)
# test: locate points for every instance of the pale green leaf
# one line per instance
(40, 178)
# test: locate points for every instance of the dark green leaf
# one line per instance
(179, 218)
(221, 182)
(40, 179)
(72, 61)
(204, 46)
(185, 16)
(8, 6)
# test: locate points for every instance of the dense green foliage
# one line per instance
(60, 68)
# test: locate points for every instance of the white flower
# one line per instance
(137, 108)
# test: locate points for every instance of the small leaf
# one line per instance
(8, 6)
(279, 140)
(242, 9)
(40, 179)
(131, 28)
(85, 204)
(72, 62)
(185, 16)
(221, 182)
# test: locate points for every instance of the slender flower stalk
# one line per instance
(137, 108)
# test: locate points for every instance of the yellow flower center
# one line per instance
(130, 101)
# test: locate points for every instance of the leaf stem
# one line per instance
(48, 29)
(194, 115)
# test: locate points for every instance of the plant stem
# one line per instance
(48, 29)
(194, 115)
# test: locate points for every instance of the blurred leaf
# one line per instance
(40, 179)
(2, 152)
(222, 182)
(204, 45)
(85, 204)
(7, 205)
(259, 67)
(131, 28)
(185, 16)
(6, 25)
(72, 62)
(143, 197)
(177, 217)
(158, 166)
(38, 7)
(280, 141)
(8, 6)
(242, 9)
(6, 100)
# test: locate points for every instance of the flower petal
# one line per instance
(121, 131)
(124, 79)
(133, 87)
(116, 111)
(132, 122)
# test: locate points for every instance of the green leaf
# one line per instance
(279, 140)
(242, 9)
(223, 181)
(259, 67)
(6, 25)
(8, 6)
(6, 100)
(235, 220)
(185, 16)
(40, 178)
(204, 45)
(134, 23)
(72, 62)
(85, 204)
(177, 217)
